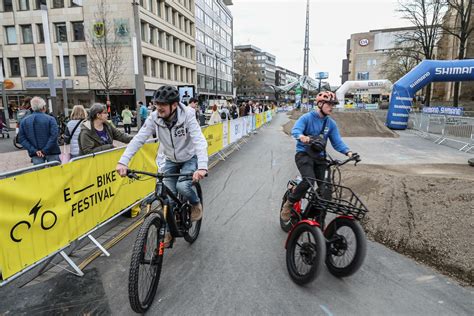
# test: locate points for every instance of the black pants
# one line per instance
(310, 169)
(127, 128)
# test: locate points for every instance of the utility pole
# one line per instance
(138, 60)
(306, 46)
(49, 59)
(4, 95)
(63, 77)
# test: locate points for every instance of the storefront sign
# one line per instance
(116, 92)
(44, 84)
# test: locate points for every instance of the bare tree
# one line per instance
(461, 29)
(246, 73)
(105, 53)
(426, 16)
(399, 61)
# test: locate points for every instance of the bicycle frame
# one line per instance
(164, 194)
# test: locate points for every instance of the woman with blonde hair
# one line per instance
(78, 115)
(215, 116)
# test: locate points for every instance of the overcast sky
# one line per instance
(278, 26)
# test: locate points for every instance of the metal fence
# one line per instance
(457, 131)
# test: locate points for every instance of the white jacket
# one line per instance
(178, 144)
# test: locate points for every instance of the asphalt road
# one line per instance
(237, 266)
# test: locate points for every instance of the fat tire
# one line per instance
(196, 225)
(320, 245)
(133, 278)
(285, 226)
(361, 249)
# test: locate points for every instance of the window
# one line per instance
(199, 13)
(143, 31)
(39, 27)
(162, 69)
(160, 39)
(14, 67)
(23, 5)
(30, 67)
(201, 82)
(170, 71)
(67, 66)
(167, 13)
(153, 35)
(58, 4)
(150, 5)
(78, 31)
(208, 20)
(209, 41)
(363, 75)
(11, 34)
(27, 34)
(72, 4)
(199, 35)
(173, 16)
(158, 8)
(39, 3)
(7, 5)
(44, 67)
(153, 67)
(61, 32)
(176, 72)
(81, 65)
(199, 57)
(145, 66)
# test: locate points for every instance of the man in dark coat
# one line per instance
(39, 134)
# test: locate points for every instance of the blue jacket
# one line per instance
(39, 131)
(143, 112)
(311, 124)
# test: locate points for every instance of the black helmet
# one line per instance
(166, 94)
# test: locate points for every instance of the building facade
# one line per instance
(166, 29)
(214, 47)
(266, 63)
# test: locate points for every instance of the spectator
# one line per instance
(225, 115)
(242, 110)
(39, 134)
(78, 115)
(97, 134)
(127, 120)
(143, 112)
(193, 103)
(234, 113)
(215, 117)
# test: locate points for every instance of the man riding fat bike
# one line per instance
(181, 142)
(311, 132)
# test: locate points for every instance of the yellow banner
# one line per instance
(264, 114)
(43, 211)
(213, 134)
(258, 120)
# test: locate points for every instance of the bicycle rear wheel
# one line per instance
(193, 232)
(16, 142)
(145, 266)
(305, 253)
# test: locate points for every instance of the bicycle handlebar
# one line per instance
(133, 174)
(355, 157)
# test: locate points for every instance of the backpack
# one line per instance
(67, 135)
(223, 115)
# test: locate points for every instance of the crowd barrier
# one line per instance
(446, 128)
(45, 211)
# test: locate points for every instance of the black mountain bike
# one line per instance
(310, 243)
(161, 215)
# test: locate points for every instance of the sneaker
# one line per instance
(286, 211)
(167, 240)
(196, 212)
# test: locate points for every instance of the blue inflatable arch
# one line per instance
(427, 71)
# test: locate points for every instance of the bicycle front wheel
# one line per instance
(193, 232)
(305, 253)
(145, 266)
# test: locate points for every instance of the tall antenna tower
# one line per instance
(306, 42)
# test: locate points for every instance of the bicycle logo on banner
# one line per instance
(48, 220)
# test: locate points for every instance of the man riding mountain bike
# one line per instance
(310, 151)
(181, 142)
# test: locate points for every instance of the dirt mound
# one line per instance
(424, 211)
(351, 124)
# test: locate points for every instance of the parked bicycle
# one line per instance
(162, 215)
(341, 244)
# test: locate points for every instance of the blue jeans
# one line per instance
(182, 185)
(48, 158)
